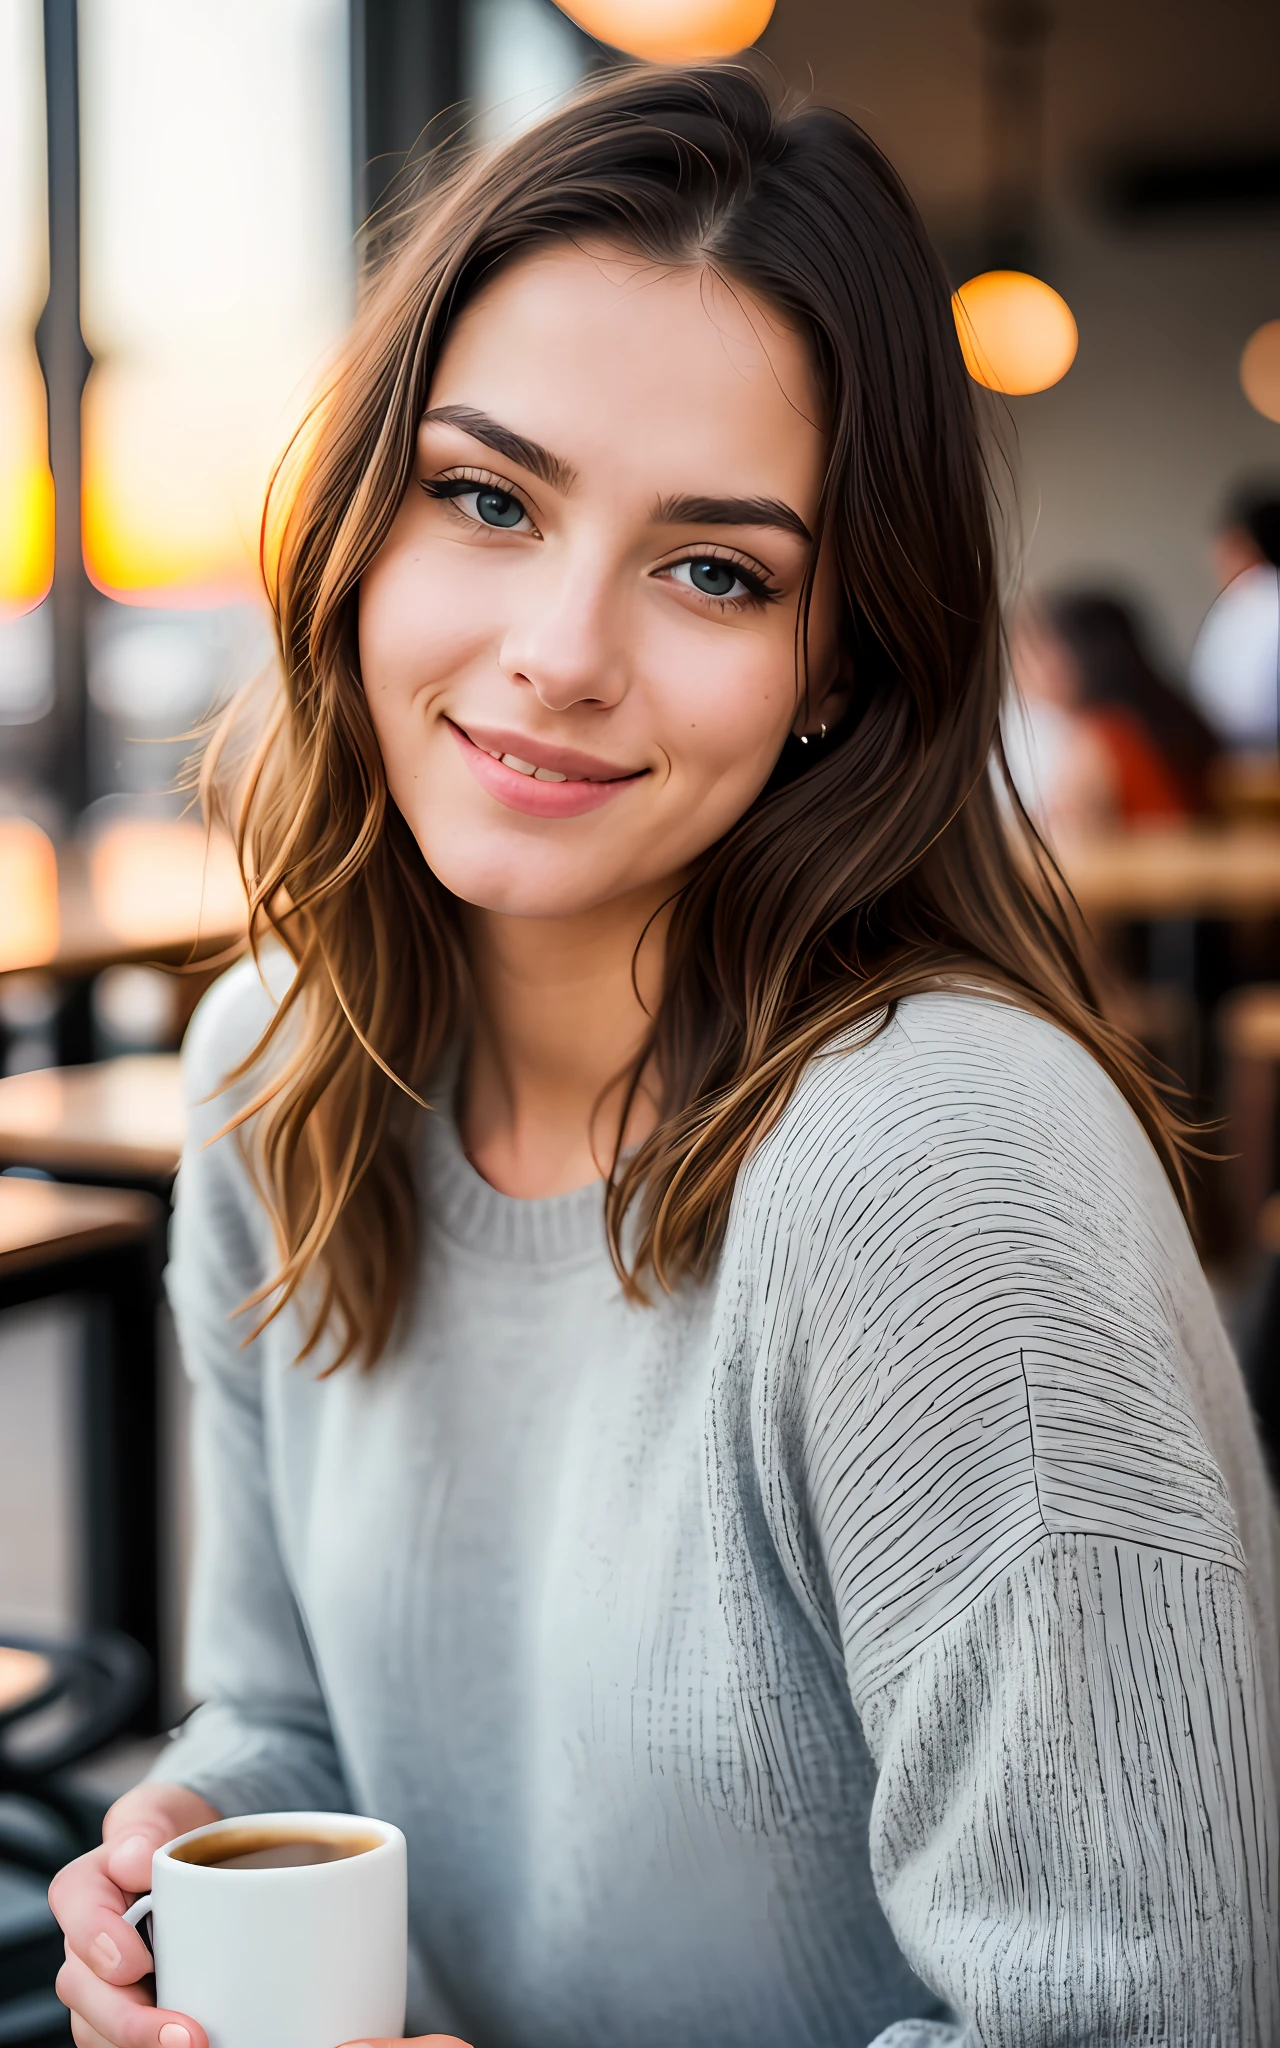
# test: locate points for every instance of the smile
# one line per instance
(558, 786)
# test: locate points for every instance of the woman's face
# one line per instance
(578, 642)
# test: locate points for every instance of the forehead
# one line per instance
(666, 376)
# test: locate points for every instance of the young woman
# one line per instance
(786, 1539)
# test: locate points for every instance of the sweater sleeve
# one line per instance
(1000, 1506)
(261, 1740)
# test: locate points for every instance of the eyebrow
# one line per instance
(732, 512)
(530, 455)
(552, 469)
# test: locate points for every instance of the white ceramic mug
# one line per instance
(305, 1956)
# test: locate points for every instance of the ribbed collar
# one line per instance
(462, 1204)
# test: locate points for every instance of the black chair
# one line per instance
(105, 1246)
(68, 1702)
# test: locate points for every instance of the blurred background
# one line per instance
(186, 192)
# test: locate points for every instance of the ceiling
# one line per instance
(1158, 81)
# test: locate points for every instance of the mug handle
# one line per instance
(139, 1911)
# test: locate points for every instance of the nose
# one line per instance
(564, 639)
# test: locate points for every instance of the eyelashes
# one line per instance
(499, 508)
(495, 501)
(757, 588)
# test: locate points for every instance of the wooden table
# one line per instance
(104, 1245)
(135, 889)
(1194, 871)
(115, 1120)
(88, 942)
(1247, 786)
(1183, 884)
(188, 931)
(43, 1223)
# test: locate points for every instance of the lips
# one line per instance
(560, 784)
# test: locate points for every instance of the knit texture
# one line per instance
(877, 1643)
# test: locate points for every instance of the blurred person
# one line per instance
(1061, 766)
(1105, 739)
(1161, 749)
(752, 1478)
(1235, 665)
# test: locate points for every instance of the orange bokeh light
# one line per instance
(1260, 370)
(29, 925)
(157, 880)
(155, 528)
(210, 293)
(672, 31)
(26, 538)
(1017, 334)
(26, 486)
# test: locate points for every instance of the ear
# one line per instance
(824, 703)
(828, 690)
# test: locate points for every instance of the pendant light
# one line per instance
(1260, 370)
(672, 31)
(1016, 333)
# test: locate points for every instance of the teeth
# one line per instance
(527, 768)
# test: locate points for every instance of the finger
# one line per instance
(86, 2036)
(124, 2015)
(88, 1906)
(128, 1857)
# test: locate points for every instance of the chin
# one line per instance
(523, 880)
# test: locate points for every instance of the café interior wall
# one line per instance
(1123, 466)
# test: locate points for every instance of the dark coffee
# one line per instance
(278, 1848)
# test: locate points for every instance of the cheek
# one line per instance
(420, 622)
(727, 700)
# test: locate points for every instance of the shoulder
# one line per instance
(966, 1138)
(225, 1028)
(964, 1099)
(973, 1309)
(1232, 670)
(220, 1240)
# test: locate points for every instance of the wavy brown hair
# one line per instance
(895, 861)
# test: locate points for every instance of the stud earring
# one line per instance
(805, 737)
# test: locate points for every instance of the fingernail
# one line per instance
(132, 1845)
(174, 2036)
(107, 1951)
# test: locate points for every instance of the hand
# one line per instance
(413, 2041)
(102, 1979)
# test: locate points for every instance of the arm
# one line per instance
(262, 1739)
(1073, 1836)
(1010, 1522)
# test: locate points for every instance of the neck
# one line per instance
(558, 1028)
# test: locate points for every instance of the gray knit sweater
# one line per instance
(877, 1642)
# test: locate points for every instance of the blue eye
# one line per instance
(713, 579)
(498, 508)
